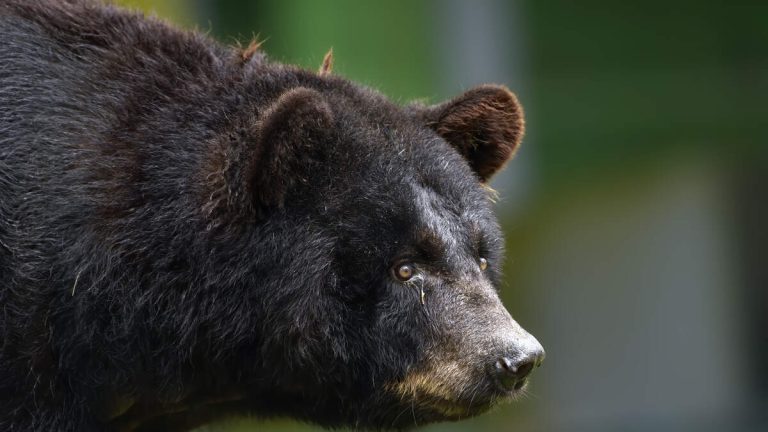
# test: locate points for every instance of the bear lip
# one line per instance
(441, 409)
(465, 407)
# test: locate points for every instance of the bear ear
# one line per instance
(288, 133)
(253, 164)
(485, 125)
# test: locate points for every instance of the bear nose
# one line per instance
(512, 374)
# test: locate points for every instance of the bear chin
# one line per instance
(408, 413)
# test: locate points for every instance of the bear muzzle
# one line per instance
(514, 355)
(462, 380)
(510, 369)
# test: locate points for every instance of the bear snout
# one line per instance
(515, 354)
(511, 370)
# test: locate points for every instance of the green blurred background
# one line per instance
(636, 210)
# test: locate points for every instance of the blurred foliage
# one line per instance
(619, 83)
(382, 44)
(180, 11)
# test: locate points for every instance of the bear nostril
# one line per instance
(505, 365)
(524, 369)
(520, 369)
(512, 374)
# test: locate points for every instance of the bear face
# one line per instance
(189, 231)
(403, 313)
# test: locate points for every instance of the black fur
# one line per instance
(188, 231)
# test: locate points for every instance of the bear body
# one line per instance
(190, 231)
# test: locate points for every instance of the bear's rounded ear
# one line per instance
(485, 124)
(253, 164)
(288, 132)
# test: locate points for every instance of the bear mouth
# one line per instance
(424, 396)
(427, 408)
(457, 410)
(477, 402)
(431, 409)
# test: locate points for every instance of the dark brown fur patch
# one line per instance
(485, 124)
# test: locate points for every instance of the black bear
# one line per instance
(190, 231)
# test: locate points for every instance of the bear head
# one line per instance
(369, 295)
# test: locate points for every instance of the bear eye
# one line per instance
(404, 272)
(483, 263)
